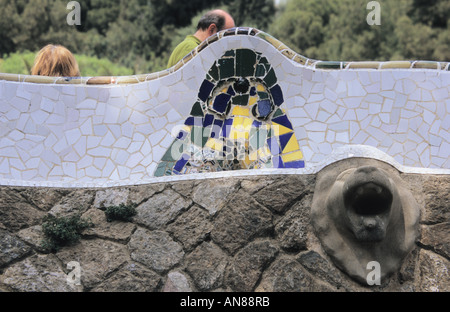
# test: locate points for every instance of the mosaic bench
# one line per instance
(241, 100)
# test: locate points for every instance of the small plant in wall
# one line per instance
(121, 212)
(62, 231)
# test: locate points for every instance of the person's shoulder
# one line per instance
(190, 40)
(183, 48)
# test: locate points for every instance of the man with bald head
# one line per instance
(209, 24)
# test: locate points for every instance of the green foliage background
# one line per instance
(123, 37)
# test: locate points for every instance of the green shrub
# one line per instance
(122, 212)
(62, 231)
(90, 66)
(17, 63)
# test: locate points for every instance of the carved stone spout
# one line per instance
(362, 214)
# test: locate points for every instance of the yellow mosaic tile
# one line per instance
(300, 59)
(127, 80)
(235, 134)
(292, 145)
(163, 73)
(260, 87)
(288, 53)
(279, 129)
(151, 76)
(365, 65)
(426, 65)
(241, 111)
(292, 156)
(253, 155)
(9, 77)
(39, 79)
(100, 80)
(214, 144)
(396, 64)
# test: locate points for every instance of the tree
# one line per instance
(251, 13)
(337, 30)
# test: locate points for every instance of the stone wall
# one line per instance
(250, 233)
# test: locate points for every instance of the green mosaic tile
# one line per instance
(207, 132)
(277, 113)
(270, 78)
(214, 72)
(197, 136)
(230, 53)
(260, 70)
(197, 110)
(204, 140)
(263, 95)
(245, 62)
(175, 151)
(253, 131)
(263, 60)
(161, 169)
(254, 142)
(258, 140)
(241, 100)
(328, 65)
(226, 68)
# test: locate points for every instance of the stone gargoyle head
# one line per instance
(362, 212)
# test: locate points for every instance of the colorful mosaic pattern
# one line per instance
(237, 121)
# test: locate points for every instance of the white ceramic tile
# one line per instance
(328, 109)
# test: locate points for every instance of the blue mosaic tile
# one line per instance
(264, 108)
(284, 139)
(272, 142)
(277, 162)
(194, 121)
(227, 127)
(256, 124)
(180, 163)
(220, 104)
(297, 164)
(205, 90)
(230, 91)
(208, 120)
(277, 95)
(182, 135)
(284, 121)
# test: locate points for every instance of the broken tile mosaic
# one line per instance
(236, 122)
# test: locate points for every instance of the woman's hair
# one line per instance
(56, 61)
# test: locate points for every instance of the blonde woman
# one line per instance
(56, 61)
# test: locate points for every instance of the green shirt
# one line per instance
(183, 49)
